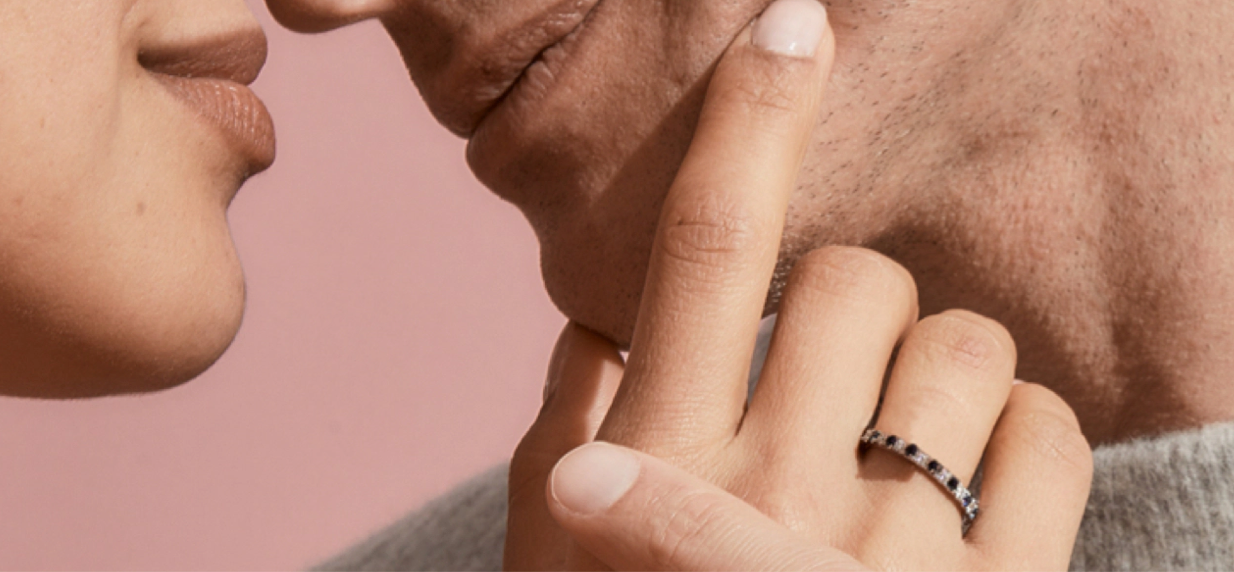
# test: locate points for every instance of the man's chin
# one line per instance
(605, 303)
(614, 322)
(604, 294)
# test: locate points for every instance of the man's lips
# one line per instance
(541, 73)
(501, 63)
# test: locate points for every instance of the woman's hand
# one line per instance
(636, 512)
(781, 481)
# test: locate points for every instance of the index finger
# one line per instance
(719, 234)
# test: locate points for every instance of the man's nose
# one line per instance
(322, 15)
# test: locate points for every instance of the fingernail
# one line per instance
(791, 27)
(591, 478)
(1018, 382)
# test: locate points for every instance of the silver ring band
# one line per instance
(949, 482)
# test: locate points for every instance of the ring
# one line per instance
(949, 482)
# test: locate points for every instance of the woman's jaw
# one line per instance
(117, 268)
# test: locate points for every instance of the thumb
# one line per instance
(636, 512)
(583, 376)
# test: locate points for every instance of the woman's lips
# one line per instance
(234, 110)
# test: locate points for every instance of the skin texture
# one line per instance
(815, 500)
(117, 270)
(1059, 166)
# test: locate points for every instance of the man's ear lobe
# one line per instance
(311, 16)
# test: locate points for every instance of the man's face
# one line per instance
(579, 111)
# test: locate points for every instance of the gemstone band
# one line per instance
(950, 483)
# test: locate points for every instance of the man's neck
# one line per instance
(1075, 185)
(1121, 281)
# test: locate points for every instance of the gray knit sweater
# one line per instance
(1158, 504)
(1165, 503)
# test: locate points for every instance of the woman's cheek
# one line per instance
(117, 269)
(116, 286)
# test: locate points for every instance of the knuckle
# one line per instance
(525, 490)
(1046, 425)
(528, 474)
(761, 85)
(786, 503)
(855, 274)
(959, 338)
(532, 461)
(773, 97)
(710, 234)
(540, 448)
(681, 531)
(546, 441)
(776, 504)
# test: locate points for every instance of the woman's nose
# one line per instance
(322, 15)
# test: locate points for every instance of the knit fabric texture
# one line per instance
(1165, 503)
(463, 530)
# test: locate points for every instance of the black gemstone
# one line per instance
(934, 466)
(874, 435)
(952, 483)
(911, 450)
(891, 440)
(967, 500)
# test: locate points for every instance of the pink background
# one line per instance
(395, 343)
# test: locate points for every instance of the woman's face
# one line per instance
(125, 131)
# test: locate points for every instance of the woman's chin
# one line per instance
(151, 348)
